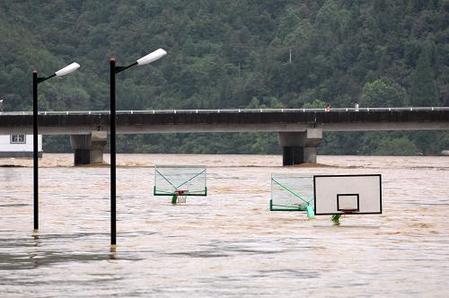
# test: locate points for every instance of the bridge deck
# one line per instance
(230, 120)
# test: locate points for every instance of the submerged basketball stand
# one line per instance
(334, 195)
(292, 193)
(179, 182)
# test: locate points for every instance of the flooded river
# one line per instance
(226, 244)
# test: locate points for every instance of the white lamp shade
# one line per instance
(68, 69)
(151, 57)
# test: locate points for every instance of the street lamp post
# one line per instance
(36, 80)
(153, 56)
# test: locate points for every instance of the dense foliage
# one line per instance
(233, 54)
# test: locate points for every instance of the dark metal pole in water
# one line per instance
(62, 72)
(35, 156)
(113, 151)
(112, 121)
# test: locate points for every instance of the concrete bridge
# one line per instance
(300, 130)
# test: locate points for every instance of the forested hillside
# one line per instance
(233, 54)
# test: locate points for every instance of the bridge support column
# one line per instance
(300, 147)
(88, 149)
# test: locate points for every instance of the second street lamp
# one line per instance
(36, 80)
(151, 57)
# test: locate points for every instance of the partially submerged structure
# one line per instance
(18, 145)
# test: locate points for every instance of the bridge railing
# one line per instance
(211, 111)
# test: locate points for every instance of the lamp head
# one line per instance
(68, 69)
(151, 57)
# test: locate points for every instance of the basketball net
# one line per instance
(181, 196)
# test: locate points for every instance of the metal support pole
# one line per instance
(36, 81)
(35, 156)
(112, 72)
(113, 153)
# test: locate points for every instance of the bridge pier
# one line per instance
(300, 147)
(88, 149)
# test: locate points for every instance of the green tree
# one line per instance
(231, 54)
(395, 146)
(315, 104)
(383, 93)
(423, 91)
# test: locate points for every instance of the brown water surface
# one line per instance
(226, 244)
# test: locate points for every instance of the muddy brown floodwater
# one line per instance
(226, 244)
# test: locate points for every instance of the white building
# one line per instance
(18, 145)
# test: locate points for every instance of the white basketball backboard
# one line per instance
(348, 194)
